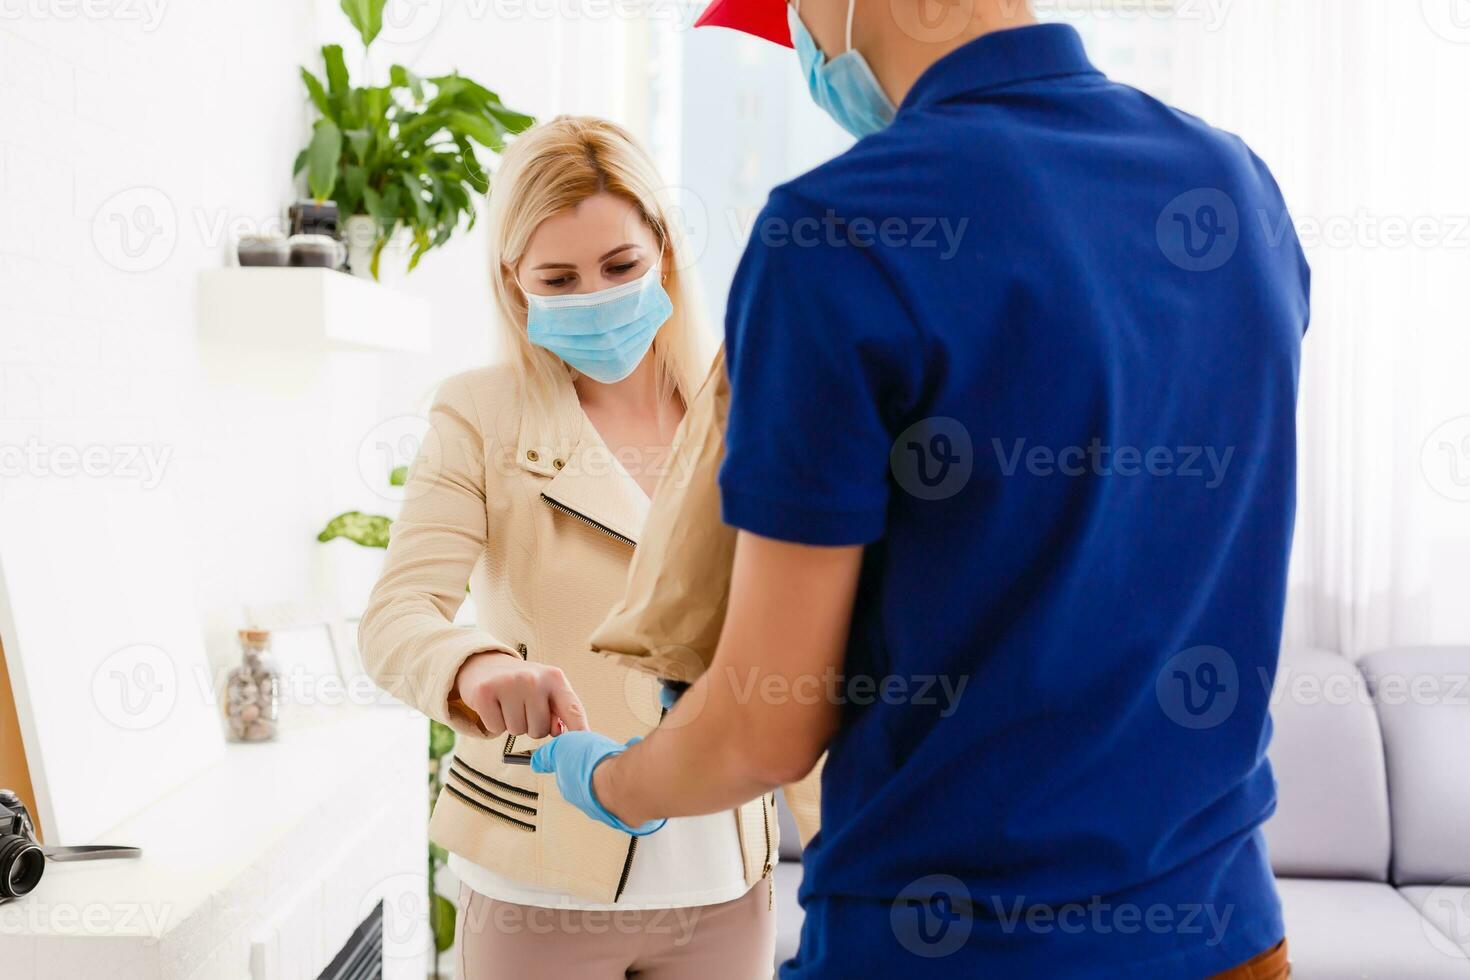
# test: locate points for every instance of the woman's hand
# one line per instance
(511, 695)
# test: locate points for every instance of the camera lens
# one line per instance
(21, 865)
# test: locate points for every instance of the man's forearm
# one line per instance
(697, 762)
(756, 719)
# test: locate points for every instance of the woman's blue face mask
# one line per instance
(845, 86)
(605, 334)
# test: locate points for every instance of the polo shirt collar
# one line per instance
(1017, 54)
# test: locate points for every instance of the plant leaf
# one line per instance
(415, 191)
(368, 530)
(398, 477)
(478, 128)
(366, 16)
(514, 122)
(350, 191)
(441, 739)
(321, 159)
(360, 140)
(401, 77)
(317, 93)
(337, 79)
(443, 923)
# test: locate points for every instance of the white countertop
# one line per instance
(223, 849)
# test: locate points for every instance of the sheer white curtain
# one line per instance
(1362, 109)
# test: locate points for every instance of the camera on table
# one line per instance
(21, 859)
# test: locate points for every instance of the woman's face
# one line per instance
(600, 243)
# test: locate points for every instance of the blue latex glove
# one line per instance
(669, 693)
(572, 756)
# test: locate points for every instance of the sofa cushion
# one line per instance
(1447, 907)
(790, 847)
(788, 911)
(1332, 818)
(1423, 700)
(1361, 930)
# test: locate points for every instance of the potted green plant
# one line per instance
(400, 160)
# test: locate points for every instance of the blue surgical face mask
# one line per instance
(605, 334)
(845, 86)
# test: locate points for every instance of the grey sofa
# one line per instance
(1371, 837)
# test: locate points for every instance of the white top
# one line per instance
(690, 861)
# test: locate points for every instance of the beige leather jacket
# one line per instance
(541, 522)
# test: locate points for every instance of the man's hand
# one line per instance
(511, 695)
(574, 757)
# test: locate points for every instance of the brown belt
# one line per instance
(1270, 965)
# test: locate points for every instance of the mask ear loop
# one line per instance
(851, 8)
(515, 277)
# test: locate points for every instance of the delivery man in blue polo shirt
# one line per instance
(1015, 508)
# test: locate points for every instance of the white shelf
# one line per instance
(272, 856)
(309, 309)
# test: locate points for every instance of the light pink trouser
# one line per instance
(735, 940)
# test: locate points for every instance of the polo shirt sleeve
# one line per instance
(823, 360)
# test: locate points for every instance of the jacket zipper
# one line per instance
(766, 871)
(596, 525)
(510, 740)
(632, 842)
(627, 868)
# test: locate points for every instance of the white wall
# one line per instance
(132, 137)
(137, 137)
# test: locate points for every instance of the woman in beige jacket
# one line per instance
(532, 487)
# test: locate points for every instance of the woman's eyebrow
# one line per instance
(569, 265)
(621, 248)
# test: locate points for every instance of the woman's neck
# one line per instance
(637, 393)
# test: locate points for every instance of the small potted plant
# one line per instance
(400, 160)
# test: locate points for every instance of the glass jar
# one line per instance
(253, 691)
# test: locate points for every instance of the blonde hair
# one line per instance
(555, 166)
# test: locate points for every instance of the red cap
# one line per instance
(763, 18)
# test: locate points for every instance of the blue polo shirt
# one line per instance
(1036, 346)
